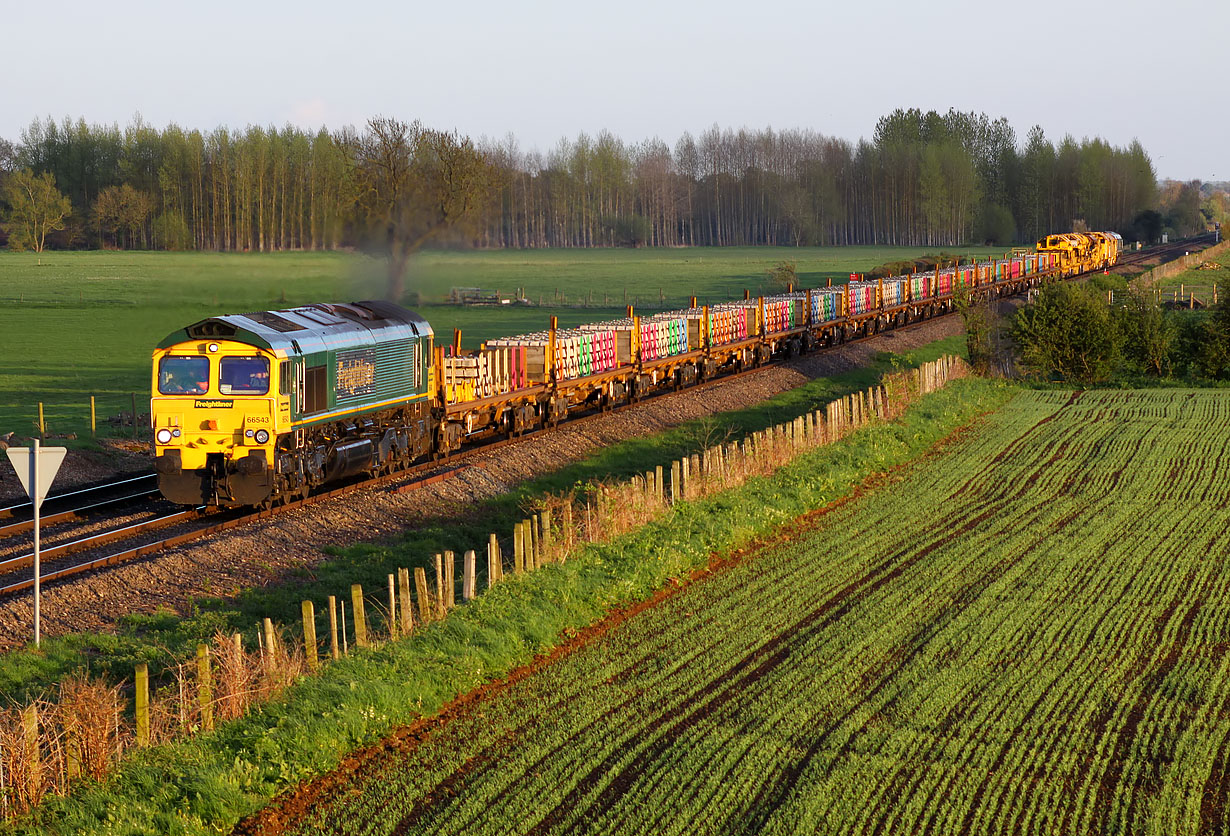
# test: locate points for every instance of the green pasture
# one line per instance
(74, 324)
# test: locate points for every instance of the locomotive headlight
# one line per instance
(262, 436)
(164, 436)
(213, 348)
(175, 432)
(248, 433)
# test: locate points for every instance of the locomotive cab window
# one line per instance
(244, 376)
(183, 375)
(285, 378)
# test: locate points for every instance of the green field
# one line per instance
(1028, 634)
(74, 324)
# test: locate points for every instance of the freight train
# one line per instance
(262, 408)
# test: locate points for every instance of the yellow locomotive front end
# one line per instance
(216, 410)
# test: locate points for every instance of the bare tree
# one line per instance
(412, 185)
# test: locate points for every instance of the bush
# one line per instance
(784, 273)
(1149, 336)
(1069, 334)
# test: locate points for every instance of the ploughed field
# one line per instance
(1027, 634)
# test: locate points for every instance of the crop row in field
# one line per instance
(1027, 635)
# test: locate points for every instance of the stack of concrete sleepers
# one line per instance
(893, 292)
(825, 304)
(862, 297)
(729, 323)
(783, 313)
(490, 372)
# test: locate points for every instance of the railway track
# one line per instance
(195, 524)
(80, 500)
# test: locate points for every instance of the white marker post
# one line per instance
(36, 473)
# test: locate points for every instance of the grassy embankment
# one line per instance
(205, 784)
(76, 324)
(1005, 641)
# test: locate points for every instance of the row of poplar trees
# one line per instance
(924, 179)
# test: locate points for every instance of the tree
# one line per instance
(1148, 336)
(411, 185)
(1147, 226)
(977, 320)
(36, 208)
(1068, 332)
(1213, 357)
(122, 208)
(784, 274)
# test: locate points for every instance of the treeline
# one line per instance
(923, 179)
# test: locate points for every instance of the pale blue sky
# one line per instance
(543, 70)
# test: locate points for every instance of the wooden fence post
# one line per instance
(546, 536)
(29, 736)
(335, 649)
(72, 749)
(450, 581)
(392, 619)
(439, 599)
(467, 575)
(493, 565)
(659, 486)
(518, 550)
(420, 586)
(309, 635)
(535, 543)
(358, 614)
(271, 637)
(141, 704)
(676, 482)
(403, 590)
(205, 688)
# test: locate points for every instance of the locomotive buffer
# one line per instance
(37, 469)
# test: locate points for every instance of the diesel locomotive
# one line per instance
(259, 408)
